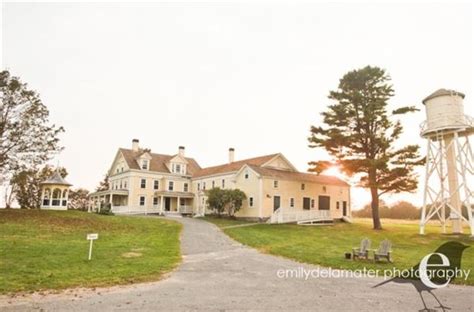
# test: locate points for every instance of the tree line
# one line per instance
(399, 210)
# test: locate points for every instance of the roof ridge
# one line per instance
(151, 153)
(241, 161)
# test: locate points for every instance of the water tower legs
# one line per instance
(449, 166)
(454, 200)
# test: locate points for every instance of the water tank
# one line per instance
(444, 111)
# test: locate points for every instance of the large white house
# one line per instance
(141, 181)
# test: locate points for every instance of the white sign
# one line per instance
(93, 236)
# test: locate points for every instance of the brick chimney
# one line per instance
(181, 151)
(231, 155)
(135, 146)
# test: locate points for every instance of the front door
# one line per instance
(276, 202)
(306, 203)
(167, 204)
(344, 208)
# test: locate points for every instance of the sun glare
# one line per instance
(334, 171)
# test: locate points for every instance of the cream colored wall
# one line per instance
(279, 163)
(133, 179)
(251, 188)
(198, 204)
(119, 164)
(287, 189)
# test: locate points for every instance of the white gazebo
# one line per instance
(55, 192)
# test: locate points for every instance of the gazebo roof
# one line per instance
(56, 179)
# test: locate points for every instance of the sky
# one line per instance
(209, 76)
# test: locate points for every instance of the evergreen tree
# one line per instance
(360, 136)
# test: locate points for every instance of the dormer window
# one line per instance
(145, 164)
(178, 168)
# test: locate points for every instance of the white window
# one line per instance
(142, 200)
(223, 183)
(250, 201)
(312, 203)
(156, 184)
(324, 189)
(275, 184)
(246, 175)
(303, 186)
(199, 186)
(145, 164)
(213, 184)
(204, 186)
(125, 184)
(170, 185)
(143, 183)
(292, 202)
(178, 168)
(185, 187)
(155, 201)
(337, 205)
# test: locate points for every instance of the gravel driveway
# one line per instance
(220, 274)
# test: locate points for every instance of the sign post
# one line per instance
(91, 238)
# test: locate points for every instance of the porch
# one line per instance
(116, 199)
(175, 202)
(291, 215)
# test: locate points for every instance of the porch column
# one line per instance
(111, 201)
(178, 204)
(67, 197)
(61, 198)
(161, 204)
(42, 197)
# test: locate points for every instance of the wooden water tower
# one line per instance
(448, 195)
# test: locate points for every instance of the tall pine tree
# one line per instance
(360, 136)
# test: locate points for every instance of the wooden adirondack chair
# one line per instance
(361, 252)
(384, 251)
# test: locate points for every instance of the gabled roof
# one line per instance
(233, 166)
(56, 179)
(298, 176)
(442, 92)
(157, 162)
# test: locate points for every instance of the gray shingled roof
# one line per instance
(441, 92)
(56, 179)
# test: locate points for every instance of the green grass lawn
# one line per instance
(326, 245)
(48, 249)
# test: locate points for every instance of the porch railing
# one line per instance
(289, 215)
(185, 209)
(135, 210)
